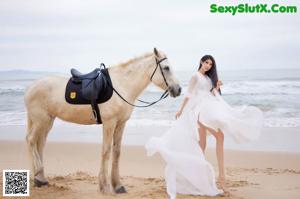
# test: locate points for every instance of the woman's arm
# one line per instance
(215, 90)
(190, 92)
(185, 100)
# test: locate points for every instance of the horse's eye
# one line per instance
(167, 68)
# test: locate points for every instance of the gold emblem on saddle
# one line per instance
(73, 95)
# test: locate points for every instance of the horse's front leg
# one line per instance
(115, 176)
(108, 131)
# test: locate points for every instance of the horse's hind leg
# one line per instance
(37, 131)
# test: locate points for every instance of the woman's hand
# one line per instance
(177, 115)
(219, 84)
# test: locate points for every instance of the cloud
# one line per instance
(45, 35)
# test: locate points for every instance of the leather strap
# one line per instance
(96, 111)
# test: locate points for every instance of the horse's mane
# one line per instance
(130, 61)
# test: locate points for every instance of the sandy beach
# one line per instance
(72, 170)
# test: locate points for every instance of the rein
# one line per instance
(163, 96)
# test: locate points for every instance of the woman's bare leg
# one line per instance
(220, 154)
(219, 150)
(219, 146)
(202, 137)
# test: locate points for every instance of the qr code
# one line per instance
(15, 182)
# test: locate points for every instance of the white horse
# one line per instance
(45, 100)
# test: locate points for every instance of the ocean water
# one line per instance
(275, 92)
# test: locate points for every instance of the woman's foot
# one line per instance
(222, 183)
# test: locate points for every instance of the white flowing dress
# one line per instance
(187, 171)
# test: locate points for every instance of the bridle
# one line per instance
(163, 96)
(158, 65)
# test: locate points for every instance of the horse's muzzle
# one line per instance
(174, 90)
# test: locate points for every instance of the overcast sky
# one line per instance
(58, 34)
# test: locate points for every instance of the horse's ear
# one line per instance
(156, 52)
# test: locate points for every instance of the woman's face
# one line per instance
(206, 65)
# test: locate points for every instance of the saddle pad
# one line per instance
(73, 94)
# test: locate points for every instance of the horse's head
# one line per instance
(163, 75)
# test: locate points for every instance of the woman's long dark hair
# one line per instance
(212, 73)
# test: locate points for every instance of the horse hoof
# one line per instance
(39, 183)
(120, 189)
(105, 190)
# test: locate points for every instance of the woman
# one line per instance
(183, 145)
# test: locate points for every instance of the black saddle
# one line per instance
(92, 83)
(91, 88)
(78, 76)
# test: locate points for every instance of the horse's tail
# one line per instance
(27, 97)
(29, 123)
(28, 140)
